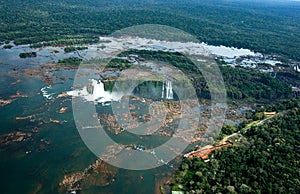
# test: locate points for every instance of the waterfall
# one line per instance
(95, 92)
(167, 90)
(163, 91)
(296, 68)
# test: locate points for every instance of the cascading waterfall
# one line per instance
(163, 91)
(296, 68)
(95, 92)
(167, 90)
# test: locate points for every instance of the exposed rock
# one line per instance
(23, 118)
(18, 95)
(111, 123)
(4, 102)
(62, 110)
(62, 95)
(46, 75)
(54, 121)
(16, 82)
(162, 118)
(98, 173)
(13, 137)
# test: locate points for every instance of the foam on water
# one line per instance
(46, 92)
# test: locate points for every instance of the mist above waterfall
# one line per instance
(95, 92)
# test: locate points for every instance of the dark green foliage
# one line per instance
(284, 105)
(65, 40)
(179, 61)
(73, 48)
(291, 77)
(228, 129)
(8, 46)
(119, 64)
(245, 84)
(172, 58)
(269, 164)
(263, 27)
(241, 84)
(29, 54)
(72, 61)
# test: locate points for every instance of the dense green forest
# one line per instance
(248, 84)
(241, 84)
(266, 158)
(264, 27)
(266, 161)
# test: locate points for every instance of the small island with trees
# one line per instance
(28, 55)
(73, 48)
